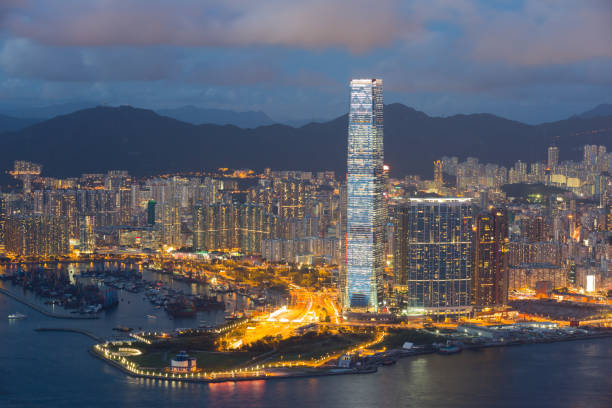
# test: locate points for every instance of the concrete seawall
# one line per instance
(40, 309)
(230, 379)
(63, 329)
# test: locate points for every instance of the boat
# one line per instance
(16, 316)
(124, 329)
(389, 361)
(151, 317)
(181, 308)
(450, 348)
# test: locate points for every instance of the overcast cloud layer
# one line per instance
(532, 60)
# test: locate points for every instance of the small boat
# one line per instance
(450, 348)
(124, 329)
(16, 316)
(151, 317)
(389, 361)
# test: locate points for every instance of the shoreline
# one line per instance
(369, 370)
(121, 368)
(40, 309)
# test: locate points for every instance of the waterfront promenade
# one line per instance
(42, 309)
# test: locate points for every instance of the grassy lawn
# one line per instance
(396, 338)
(220, 361)
(318, 347)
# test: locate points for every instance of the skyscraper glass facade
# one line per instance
(433, 255)
(365, 184)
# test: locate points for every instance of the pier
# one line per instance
(42, 310)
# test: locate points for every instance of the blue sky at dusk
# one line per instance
(533, 61)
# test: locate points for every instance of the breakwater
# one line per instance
(42, 310)
(69, 330)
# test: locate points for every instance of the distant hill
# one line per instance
(145, 143)
(303, 122)
(48, 111)
(605, 109)
(200, 116)
(9, 123)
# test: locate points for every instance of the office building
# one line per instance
(365, 184)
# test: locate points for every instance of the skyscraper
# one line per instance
(490, 275)
(433, 255)
(365, 184)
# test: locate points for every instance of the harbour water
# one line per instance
(52, 369)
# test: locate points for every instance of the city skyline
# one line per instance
(165, 242)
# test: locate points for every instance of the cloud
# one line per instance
(24, 59)
(290, 54)
(544, 32)
(315, 24)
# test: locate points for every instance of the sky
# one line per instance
(528, 60)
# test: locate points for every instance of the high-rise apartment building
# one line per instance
(490, 262)
(438, 177)
(36, 235)
(433, 255)
(553, 157)
(224, 226)
(87, 235)
(365, 185)
(590, 155)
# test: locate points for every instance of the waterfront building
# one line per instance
(490, 263)
(433, 255)
(182, 363)
(365, 185)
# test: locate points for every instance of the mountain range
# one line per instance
(8, 123)
(200, 116)
(145, 142)
(605, 109)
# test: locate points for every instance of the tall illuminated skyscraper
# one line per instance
(365, 184)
